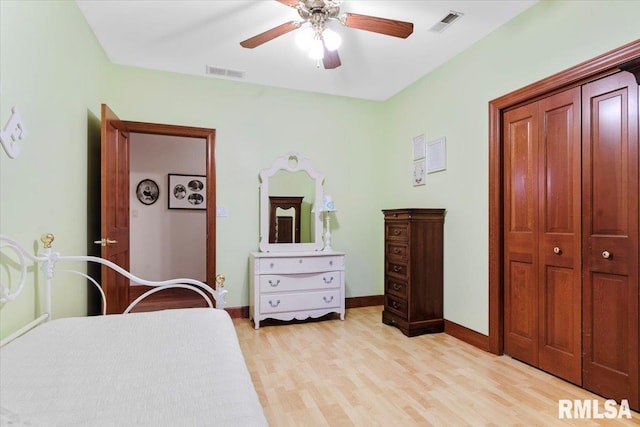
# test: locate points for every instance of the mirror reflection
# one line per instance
(291, 199)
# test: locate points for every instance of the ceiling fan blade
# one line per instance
(389, 27)
(290, 3)
(331, 59)
(269, 34)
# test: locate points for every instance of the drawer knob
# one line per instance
(396, 250)
(330, 262)
(272, 304)
(300, 261)
(557, 250)
(328, 281)
(274, 284)
(396, 287)
(328, 300)
(397, 268)
(606, 254)
(395, 304)
(396, 232)
(271, 265)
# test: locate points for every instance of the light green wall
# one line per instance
(54, 71)
(452, 101)
(254, 125)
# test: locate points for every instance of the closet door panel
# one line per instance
(560, 272)
(521, 235)
(610, 218)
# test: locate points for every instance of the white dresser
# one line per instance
(295, 285)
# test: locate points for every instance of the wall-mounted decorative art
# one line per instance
(419, 147)
(436, 155)
(419, 172)
(147, 191)
(187, 191)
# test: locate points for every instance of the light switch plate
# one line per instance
(221, 211)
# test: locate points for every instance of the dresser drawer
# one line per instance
(396, 287)
(397, 231)
(396, 305)
(300, 282)
(397, 269)
(301, 264)
(397, 250)
(275, 303)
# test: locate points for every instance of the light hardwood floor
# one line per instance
(360, 372)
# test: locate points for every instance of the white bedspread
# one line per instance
(166, 368)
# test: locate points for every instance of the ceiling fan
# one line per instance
(321, 42)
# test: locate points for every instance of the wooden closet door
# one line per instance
(543, 234)
(521, 182)
(610, 222)
(559, 214)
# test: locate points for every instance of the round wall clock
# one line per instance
(147, 191)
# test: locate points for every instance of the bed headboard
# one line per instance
(48, 260)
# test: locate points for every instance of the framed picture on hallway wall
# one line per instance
(187, 191)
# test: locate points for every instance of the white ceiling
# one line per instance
(187, 36)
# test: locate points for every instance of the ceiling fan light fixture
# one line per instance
(332, 40)
(305, 38)
(316, 50)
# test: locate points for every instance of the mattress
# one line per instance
(166, 368)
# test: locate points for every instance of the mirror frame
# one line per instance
(283, 163)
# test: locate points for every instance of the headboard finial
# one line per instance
(220, 281)
(47, 239)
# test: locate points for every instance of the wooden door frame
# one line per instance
(626, 57)
(209, 135)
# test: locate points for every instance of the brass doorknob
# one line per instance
(105, 242)
(556, 250)
(606, 254)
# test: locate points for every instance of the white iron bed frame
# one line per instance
(164, 368)
(49, 259)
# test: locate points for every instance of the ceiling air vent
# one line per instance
(224, 72)
(446, 22)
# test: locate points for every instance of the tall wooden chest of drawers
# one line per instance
(413, 270)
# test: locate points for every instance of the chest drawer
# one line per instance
(396, 287)
(397, 250)
(275, 303)
(300, 264)
(397, 231)
(397, 269)
(299, 282)
(396, 305)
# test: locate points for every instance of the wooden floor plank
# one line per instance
(360, 372)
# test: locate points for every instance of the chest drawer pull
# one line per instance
(330, 262)
(396, 232)
(300, 261)
(395, 304)
(327, 300)
(272, 304)
(273, 285)
(397, 287)
(397, 268)
(328, 281)
(396, 250)
(271, 265)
